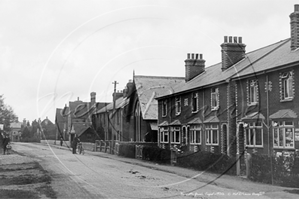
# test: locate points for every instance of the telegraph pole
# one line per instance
(114, 95)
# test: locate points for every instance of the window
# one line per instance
(195, 134)
(175, 135)
(254, 134)
(253, 92)
(164, 108)
(212, 134)
(214, 98)
(177, 105)
(195, 107)
(283, 134)
(164, 135)
(186, 101)
(286, 86)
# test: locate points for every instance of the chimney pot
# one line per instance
(225, 39)
(240, 40)
(188, 55)
(194, 66)
(232, 52)
(294, 27)
(235, 39)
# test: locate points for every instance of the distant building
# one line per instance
(77, 119)
(15, 131)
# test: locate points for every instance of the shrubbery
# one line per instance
(127, 150)
(30, 139)
(156, 154)
(204, 160)
(285, 170)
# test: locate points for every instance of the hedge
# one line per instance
(207, 161)
(285, 170)
(156, 154)
(127, 150)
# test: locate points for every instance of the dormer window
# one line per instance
(287, 86)
(164, 108)
(214, 99)
(195, 106)
(177, 105)
(252, 92)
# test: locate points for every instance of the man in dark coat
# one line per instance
(5, 143)
(74, 144)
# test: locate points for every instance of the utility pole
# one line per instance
(114, 95)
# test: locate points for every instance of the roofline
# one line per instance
(165, 77)
(228, 79)
(292, 64)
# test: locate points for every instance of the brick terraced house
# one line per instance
(248, 102)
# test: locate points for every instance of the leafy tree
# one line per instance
(7, 114)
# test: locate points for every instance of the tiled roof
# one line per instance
(261, 59)
(284, 114)
(164, 123)
(150, 87)
(212, 119)
(59, 118)
(78, 109)
(254, 116)
(196, 120)
(175, 123)
(120, 103)
(79, 128)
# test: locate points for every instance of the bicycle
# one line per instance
(80, 148)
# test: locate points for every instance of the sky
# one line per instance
(55, 51)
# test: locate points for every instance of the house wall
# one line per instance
(204, 112)
(269, 103)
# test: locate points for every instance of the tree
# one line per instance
(7, 114)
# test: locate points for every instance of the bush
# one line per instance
(30, 139)
(204, 160)
(156, 154)
(127, 150)
(285, 170)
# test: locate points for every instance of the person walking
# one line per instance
(74, 144)
(61, 141)
(5, 143)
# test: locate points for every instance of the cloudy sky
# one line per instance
(53, 51)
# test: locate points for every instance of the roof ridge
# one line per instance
(148, 76)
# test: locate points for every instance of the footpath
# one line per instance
(241, 184)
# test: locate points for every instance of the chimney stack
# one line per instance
(194, 65)
(233, 50)
(295, 28)
(93, 98)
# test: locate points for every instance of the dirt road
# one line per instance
(88, 176)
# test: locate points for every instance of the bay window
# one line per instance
(212, 134)
(195, 133)
(175, 135)
(254, 134)
(283, 134)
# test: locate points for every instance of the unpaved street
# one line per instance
(88, 176)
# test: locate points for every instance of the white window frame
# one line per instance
(177, 105)
(175, 139)
(194, 129)
(164, 132)
(253, 92)
(287, 86)
(195, 103)
(164, 108)
(214, 98)
(254, 128)
(209, 133)
(281, 127)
